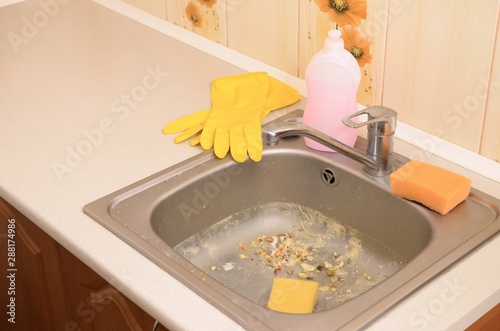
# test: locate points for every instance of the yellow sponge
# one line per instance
(293, 296)
(437, 188)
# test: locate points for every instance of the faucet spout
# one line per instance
(377, 159)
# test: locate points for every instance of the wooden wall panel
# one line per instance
(438, 54)
(155, 7)
(265, 30)
(490, 144)
(206, 18)
(313, 29)
(375, 27)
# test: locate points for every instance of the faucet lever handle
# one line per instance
(381, 120)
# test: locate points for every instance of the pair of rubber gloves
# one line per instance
(233, 124)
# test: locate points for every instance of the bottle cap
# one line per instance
(334, 40)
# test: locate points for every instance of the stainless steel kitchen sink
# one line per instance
(217, 227)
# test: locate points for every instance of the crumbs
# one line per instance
(299, 256)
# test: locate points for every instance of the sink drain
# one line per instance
(329, 176)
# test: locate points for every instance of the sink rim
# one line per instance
(211, 290)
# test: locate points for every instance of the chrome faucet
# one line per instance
(381, 125)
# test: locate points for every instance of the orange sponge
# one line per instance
(437, 188)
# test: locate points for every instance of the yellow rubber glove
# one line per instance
(279, 95)
(234, 121)
(191, 125)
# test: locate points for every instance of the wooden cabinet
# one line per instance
(30, 274)
(48, 288)
(489, 321)
(94, 304)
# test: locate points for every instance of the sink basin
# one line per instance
(221, 228)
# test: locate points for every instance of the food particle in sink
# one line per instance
(327, 265)
(279, 251)
(354, 249)
(324, 288)
(213, 268)
(243, 247)
(293, 255)
(228, 266)
(242, 256)
(329, 268)
(277, 270)
(307, 267)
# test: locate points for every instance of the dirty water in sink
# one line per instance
(246, 250)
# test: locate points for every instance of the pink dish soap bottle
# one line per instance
(332, 80)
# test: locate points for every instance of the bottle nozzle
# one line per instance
(334, 40)
(334, 34)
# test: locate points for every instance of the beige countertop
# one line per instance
(84, 93)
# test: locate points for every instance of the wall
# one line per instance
(436, 62)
